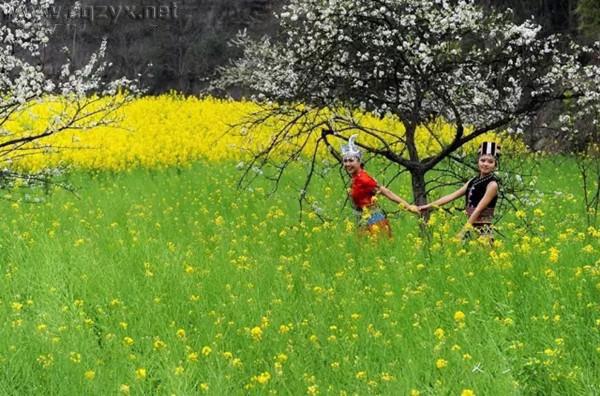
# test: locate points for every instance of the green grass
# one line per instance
(148, 253)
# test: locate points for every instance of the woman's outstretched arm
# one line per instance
(447, 198)
(386, 192)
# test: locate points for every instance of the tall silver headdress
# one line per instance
(350, 149)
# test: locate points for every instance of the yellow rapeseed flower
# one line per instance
(263, 378)
(169, 130)
(159, 344)
(459, 316)
(439, 333)
(256, 333)
(441, 363)
(140, 373)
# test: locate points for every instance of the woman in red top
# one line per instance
(363, 191)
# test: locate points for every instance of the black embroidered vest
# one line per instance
(475, 192)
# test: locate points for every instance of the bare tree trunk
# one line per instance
(420, 198)
(418, 186)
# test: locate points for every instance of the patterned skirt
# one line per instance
(480, 230)
(373, 222)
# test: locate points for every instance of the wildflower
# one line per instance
(90, 375)
(203, 387)
(467, 392)
(181, 333)
(46, 361)
(140, 373)
(178, 370)
(361, 375)
(124, 389)
(284, 329)
(256, 333)
(115, 302)
(281, 358)
(550, 352)
(263, 378)
(387, 377)
(441, 363)
(75, 357)
(159, 344)
(439, 333)
(206, 350)
(554, 252)
(588, 249)
(459, 316)
(193, 357)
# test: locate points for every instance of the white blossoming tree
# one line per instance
(413, 60)
(76, 98)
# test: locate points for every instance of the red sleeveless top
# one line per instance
(363, 189)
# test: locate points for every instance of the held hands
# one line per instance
(411, 208)
(424, 208)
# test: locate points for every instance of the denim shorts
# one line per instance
(375, 218)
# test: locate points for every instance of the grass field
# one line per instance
(174, 282)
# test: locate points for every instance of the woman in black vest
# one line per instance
(481, 193)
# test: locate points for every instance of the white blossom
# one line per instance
(426, 58)
(23, 81)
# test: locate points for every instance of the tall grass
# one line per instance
(174, 282)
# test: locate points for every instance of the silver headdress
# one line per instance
(350, 149)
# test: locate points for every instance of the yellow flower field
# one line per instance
(171, 130)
